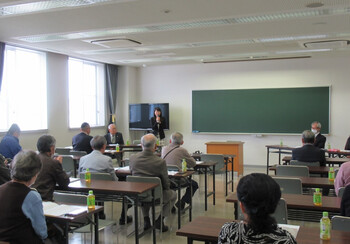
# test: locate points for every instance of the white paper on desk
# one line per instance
(293, 229)
(172, 172)
(73, 179)
(54, 209)
(122, 168)
(199, 162)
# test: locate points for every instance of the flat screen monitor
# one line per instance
(140, 115)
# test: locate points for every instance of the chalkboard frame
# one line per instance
(212, 110)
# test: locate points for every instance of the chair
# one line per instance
(81, 200)
(341, 223)
(62, 151)
(289, 185)
(341, 191)
(77, 153)
(146, 198)
(98, 176)
(300, 163)
(289, 170)
(219, 158)
(69, 165)
(280, 214)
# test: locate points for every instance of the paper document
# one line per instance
(293, 229)
(172, 172)
(122, 168)
(73, 179)
(54, 209)
(199, 162)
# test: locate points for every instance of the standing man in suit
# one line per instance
(320, 140)
(308, 152)
(146, 163)
(81, 142)
(173, 154)
(114, 137)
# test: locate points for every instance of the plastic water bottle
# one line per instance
(331, 174)
(317, 197)
(325, 227)
(117, 147)
(184, 165)
(88, 176)
(281, 143)
(157, 142)
(328, 146)
(91, 200)
(127, 142)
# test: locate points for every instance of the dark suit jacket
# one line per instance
(160, 130)
(347, 145)
(320, 141)
(345, 203)
(309, 153)
(81, 142)
(118, 140)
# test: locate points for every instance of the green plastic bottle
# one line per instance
(88, 176)
(331, 174)
(117, 148)
(317, 197)
(184, 165)
(91, 200)
(325, 227)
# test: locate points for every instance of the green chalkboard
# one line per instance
(258, 111)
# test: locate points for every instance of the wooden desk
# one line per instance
(276, 149)
(229, 148)
(302, 202)
(323, 170)
(130, 189)
(176, 177)
(67, 220)
(206, 166)
(330, 161)
(207, 229)
(314, 182)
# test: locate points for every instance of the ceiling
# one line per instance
(157, 32)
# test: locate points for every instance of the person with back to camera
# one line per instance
(158, 123)
(258, 196)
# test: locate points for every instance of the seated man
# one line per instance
(320, 140)
(9, 145)
(5, 175)
(345, 203)
(146, 163)
(114, 137)
(173, 155)
(308, 152)
(22, 217)
(97, 162)
(51, 173)
(81, 141)
(343, 177)
(347, 145)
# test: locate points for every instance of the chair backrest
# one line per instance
(69, 198)
(147, 196)
(296, 162)
(77, 153)
(341, 191)
(98, 176)
(291, 170)
(136, 142)
(68, 164)
(62, 151)
(341, 223)
(280, 214)
(219, 158)
(289, 185)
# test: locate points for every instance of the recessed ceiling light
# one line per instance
(314, 5)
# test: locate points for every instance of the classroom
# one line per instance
(166, 79)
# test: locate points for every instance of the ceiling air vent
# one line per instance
(326, 44)
(116, 42)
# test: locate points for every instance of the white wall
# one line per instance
(174, 84)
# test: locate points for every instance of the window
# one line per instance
(23, 95)
(86, 93)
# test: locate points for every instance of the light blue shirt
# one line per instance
(32, 207)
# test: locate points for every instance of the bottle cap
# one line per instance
(325, 214)
(317, 189)
(87, 170)
(331, 169)
(91, 192)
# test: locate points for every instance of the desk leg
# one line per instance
(268, 161)
(279, 156)
(179, 209)
(189, 240)
(232, 173)
(206, 188)
(236, 210)
(136, 221)
(153, 217)
(66, 233)
(190, 217)
(96, 227)
(214, 184)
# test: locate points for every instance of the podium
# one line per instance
(229, 148)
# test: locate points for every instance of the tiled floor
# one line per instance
(124, 234)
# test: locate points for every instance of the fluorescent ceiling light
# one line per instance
(304, 51)
(291, 38)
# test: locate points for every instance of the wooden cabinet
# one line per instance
(230, 147)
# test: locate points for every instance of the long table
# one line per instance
(301, 202)
(119, 188)
(323, 170)
(314, 182)
(329, 161)
(207, 229)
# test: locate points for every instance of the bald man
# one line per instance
(114, 137)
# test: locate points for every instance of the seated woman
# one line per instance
(22, 218)
(258, 196)
(345, 202)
